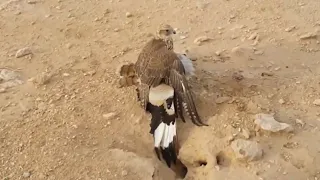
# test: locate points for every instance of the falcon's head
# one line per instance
(165, 30)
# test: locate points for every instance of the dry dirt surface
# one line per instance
(62, 118)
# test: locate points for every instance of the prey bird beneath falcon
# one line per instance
(162, 88)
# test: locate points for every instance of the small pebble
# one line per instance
(124, 173)
(316, 102)
(281, 101)
(253, 36)
(217, 167)
(109, 115)
(2, 90)
(246, 133)
(277, 68)
(66, 74)
(23, 52)
(26, 174)
(258, 52)
(128, 14)
(289, 29)
(183, 37)
(201, 39)
(32, 2)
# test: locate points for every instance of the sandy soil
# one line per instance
(68, 120)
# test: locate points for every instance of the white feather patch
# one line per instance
(187, 64)
(164, 135)
(158, 95)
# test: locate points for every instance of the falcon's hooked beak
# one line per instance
(174, 32)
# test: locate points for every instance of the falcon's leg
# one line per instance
(143, 95)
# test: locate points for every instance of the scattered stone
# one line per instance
(217, 167)
(69, 45)
(2, 90)
(267, 74)
(281, 101)
(316, 102)
(90, 73)
(246, 133)
(128, 14)
(23, 52)
(32, 2)
(291, 145)
(66, 74)
(247, 150)
(237, 76)
(201, 39)
(183, 37)
(289, 29)
(267, 122)
(277, 68)
(109, 115)
(42, 79)
(218, 53)
(124, 173)
(258, 52)
(309, 35)
(253, 36)
(230, 139)
(241, 51)
(221, 100)
(26, 174)
(202, 5)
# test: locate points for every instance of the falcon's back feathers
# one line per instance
(157, 64)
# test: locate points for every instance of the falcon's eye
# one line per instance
(167, 30)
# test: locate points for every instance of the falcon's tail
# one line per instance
(163, 127)
(128, 75)
(187, 64)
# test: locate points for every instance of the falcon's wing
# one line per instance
(179, 82)
(154, 62)
(152, 67)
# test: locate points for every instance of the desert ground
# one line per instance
(63, 118)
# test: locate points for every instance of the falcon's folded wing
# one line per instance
(179, 82)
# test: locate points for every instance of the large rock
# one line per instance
(267, 122)
(247, 150)
(9, 79)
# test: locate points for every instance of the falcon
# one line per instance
(157, 63)
(162, 89)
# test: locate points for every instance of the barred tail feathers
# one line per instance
(187, 64)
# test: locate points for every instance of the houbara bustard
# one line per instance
(162, 89)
